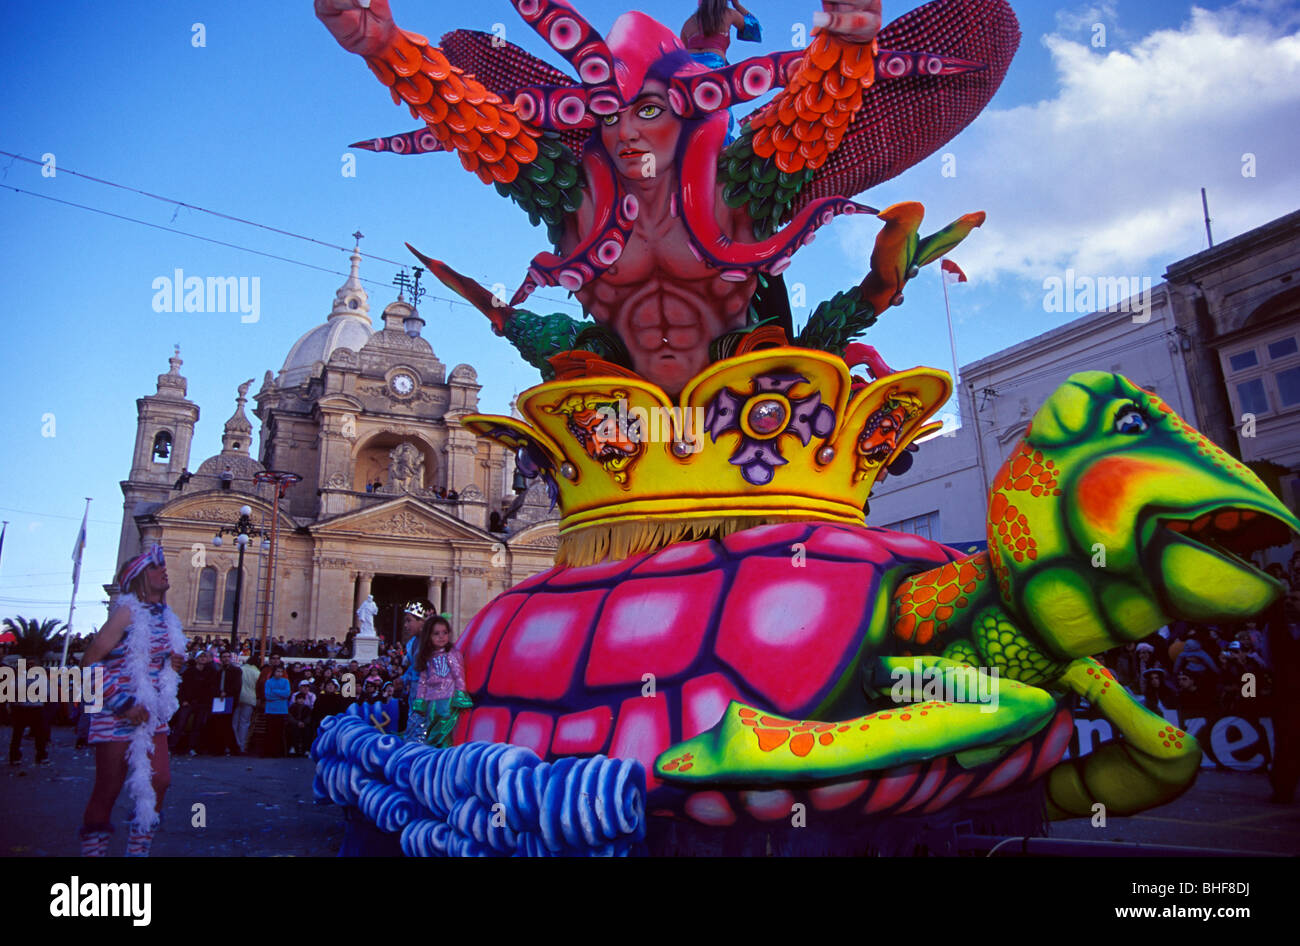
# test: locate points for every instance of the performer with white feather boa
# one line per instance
(142, 648)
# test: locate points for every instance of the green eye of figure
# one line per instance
(610, 119)
(649, 111)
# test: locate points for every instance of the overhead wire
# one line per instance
(54, 515)
(232, 218)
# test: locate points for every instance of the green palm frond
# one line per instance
(34, 637)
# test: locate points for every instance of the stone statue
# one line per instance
(366, 617)
(243, 389)
(405, 468)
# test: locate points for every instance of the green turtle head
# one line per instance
(1113, 516)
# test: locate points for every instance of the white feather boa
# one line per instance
(160, 702)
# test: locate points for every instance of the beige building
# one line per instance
(396, 498)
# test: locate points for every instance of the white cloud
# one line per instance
(1105, 176)
(1083, 18)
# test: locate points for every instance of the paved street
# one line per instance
(1227, 810)
(264, 807)
(257, 807)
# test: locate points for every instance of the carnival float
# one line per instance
(725, 657)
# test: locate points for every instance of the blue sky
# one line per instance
(1089, 157)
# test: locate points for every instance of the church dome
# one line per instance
(348, 326)
(233, 462)
(242, 467)
(319, 343)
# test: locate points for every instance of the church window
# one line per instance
(162, 445)
(228, 602)
(207, 599)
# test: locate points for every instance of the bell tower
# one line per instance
(163, 432)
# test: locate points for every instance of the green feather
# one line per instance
(549, 188)
(836, 322)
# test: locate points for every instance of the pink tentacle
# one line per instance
(570, 34)
(694, 96)
(736, 260)
(419, 141)
(609, 234)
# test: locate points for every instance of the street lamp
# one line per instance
(280, 481)
(241, 530)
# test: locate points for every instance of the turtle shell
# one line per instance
(629, 657)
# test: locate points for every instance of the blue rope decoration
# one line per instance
(480, 799)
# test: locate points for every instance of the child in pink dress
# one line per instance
(440, 682)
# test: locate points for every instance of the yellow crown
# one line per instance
(769, 436)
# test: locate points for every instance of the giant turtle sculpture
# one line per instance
(816, 662)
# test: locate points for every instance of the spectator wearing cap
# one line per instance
(1194, 658)
(304, 690)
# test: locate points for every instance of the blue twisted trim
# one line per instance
(479, 799)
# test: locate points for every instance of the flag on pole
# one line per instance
(3, 529)
(950, 272)
(78, 548)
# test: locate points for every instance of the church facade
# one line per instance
(396, 499)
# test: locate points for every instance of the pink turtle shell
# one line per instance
(773, 616)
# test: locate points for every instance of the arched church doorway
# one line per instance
(391, 593)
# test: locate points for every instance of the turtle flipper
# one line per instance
(1151, 765)
(749, 746)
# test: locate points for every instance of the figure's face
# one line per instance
(441, 636)
(642, 138)
(411, 625)
(155, 577)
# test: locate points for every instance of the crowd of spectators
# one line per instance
(300, 647)
(219, 699)
(1198, 671)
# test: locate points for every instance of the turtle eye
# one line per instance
(1130, 420)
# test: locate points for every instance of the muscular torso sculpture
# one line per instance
(664, 303)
